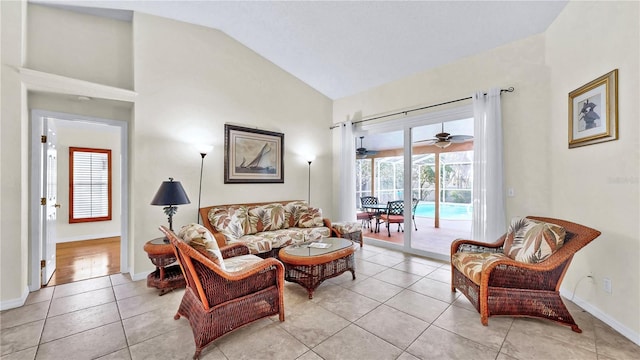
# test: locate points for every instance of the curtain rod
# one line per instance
(510, 89)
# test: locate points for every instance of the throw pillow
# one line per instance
(532, 241)
(201, 239)
(310, 218)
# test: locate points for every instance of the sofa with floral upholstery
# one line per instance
(265, 227)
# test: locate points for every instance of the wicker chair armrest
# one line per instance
(232, 250)
(251, 270)
(545, 275)
(456, 244)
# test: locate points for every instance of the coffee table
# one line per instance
(309, 266)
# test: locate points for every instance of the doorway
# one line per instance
(64, 235)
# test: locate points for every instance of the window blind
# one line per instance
(90, 185)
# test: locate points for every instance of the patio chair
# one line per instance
(394, 215)
(366, 215)
(520, 274)
(220, 298)
(414, 206)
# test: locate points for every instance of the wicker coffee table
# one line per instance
(309, 266)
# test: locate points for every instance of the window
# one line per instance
(89, 185)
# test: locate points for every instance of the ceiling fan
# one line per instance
(362, 152)
(444, 139)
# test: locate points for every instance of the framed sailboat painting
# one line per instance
(252, 155)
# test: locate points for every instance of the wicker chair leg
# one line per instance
(176, 316)
(197, 354)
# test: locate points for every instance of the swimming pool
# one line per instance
(447, 211)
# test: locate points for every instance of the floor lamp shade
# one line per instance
(169, 194)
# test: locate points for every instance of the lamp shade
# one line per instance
(170, 193)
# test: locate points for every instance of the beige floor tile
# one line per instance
(80, 301)
(43, 294)
(467, 323)
(78, 287)
(85, 345)
(397, 277)
(24, 314)
(345, 303)
(258, 341)
(312, 324)
(60, 326)
(139, 304)
(376, 289)
(356, 343)
(393, 325)
(133, 288)
(442, 275)
(535, 339)
(406, 356)
(435, 289)
(20, 337)
(503, 356)
(437, 343)
(462, 301)
(118, 279)
(177, 344)
(416, 268)
(431, 262)
(368, 268)
(386, 260)
(151, 324)
(122, 354)
(421, 306)
(346, 279)
(26, 354)
(366, 252)
(610, 343)
(549, 329)
(310, 355)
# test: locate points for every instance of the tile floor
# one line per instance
(399, 307)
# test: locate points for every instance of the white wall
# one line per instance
(192, 80)
(598, 184)
(80, 46)
(519, 64)
(73, 134)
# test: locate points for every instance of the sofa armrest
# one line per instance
(327, 222)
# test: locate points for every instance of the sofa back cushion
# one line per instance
(231, 221)
(532, 241)
(267, 218)
(201, 239)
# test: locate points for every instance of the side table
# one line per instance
(348, 230)
(166, 278)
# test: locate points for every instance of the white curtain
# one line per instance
(488, 189)
(347, 207)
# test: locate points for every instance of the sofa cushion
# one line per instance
(532, 241)
(293, 210)
(201, 239)
(471, 264)
(267, 217)
(239, 263)
(266, 241)
(310, 217)
(232, 221)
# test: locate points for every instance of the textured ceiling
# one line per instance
(341, 48)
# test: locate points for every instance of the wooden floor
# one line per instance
(80, 260)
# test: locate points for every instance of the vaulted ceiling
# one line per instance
(341, 48)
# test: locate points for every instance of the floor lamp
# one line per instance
(203, 149)
(310, 159)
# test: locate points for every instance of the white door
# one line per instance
(49, 192)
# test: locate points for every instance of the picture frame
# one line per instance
(593, 111)
(252, 155)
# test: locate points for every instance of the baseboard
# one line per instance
(615, 324)
(14, 303)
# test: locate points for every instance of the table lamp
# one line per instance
(169, 194)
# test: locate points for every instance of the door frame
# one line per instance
(35, 178)
(406, 125)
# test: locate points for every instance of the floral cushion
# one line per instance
(293, 210)
(347, 227)
(265, 241)
(471, 264)
(532, 241)
(201, 239)
(232, 221)
(267, 217)
(239, 263)
(310, 217)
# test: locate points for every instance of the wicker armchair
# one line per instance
(216, 301)
(509, 287)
